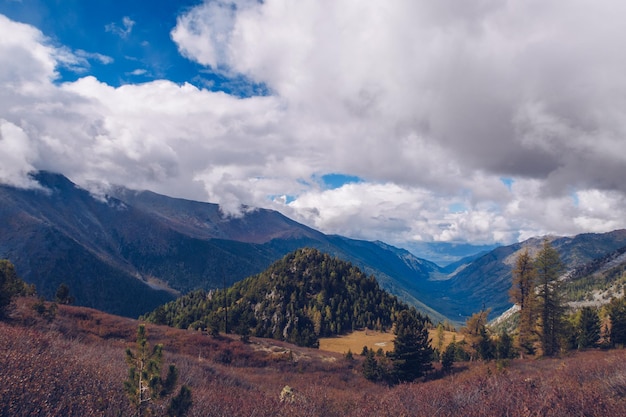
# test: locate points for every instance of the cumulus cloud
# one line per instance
(435, 94)
(484, 121)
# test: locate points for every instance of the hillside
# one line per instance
(129, 251)
(300, 298)
(74, 366)
(486, 280)
(596, 282)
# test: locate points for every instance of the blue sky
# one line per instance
(402, 121)
(125, 42)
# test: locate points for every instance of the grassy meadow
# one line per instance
(375, 340)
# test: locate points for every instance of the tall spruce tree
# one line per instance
(549, 298)
(447, 357)
(412, 353)
(588, 328)
(523, 294)
(371, 368)
(617, 314)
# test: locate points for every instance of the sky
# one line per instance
(482, 121)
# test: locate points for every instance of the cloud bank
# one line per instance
(484, 121)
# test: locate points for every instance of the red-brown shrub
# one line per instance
(75, 366)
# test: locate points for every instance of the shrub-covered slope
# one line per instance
(74, 366)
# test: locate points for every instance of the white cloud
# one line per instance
(122, 31)
(138, 71)
(430, 103)
(103, 59)
(27, 59)
(16, 156)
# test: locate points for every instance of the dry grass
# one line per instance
(356, 340)
(74, 366)
(375, 340)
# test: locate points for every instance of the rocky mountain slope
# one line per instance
(484, 282)
(129, 251)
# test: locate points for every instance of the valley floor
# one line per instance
(74, 366)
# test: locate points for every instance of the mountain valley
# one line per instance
(128, 252)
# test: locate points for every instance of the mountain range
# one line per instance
(127, 251)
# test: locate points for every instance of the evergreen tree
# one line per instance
(180, 405)
(504, 346)
(63, 295)
(588, 329)
(448, 357)
(10, 285)
(412, 353)
(617, 313)
(364, 351)
(523, 294)
(144, 384)
(477, 336)
(549, 299)
(371, 369)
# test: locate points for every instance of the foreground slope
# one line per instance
(74, 366)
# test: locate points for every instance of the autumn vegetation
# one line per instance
(58, 359)
(75, 366)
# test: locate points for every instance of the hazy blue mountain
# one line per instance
(130, 251)
(446, 253)
(485, 281)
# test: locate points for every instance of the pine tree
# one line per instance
(617, 313)
(412, 353)
(523, 294)
(371, 369)
(180, 405)
(588, 328)
(144, 384)
(63, 295)
(504, 346)
(10, 285)
(447, 357)
(477, 336)
(549, 299)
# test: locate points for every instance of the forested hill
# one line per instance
(304, 296)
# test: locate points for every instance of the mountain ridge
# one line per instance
(129, 251)
(163, 246)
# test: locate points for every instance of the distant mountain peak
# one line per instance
(114, 246)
